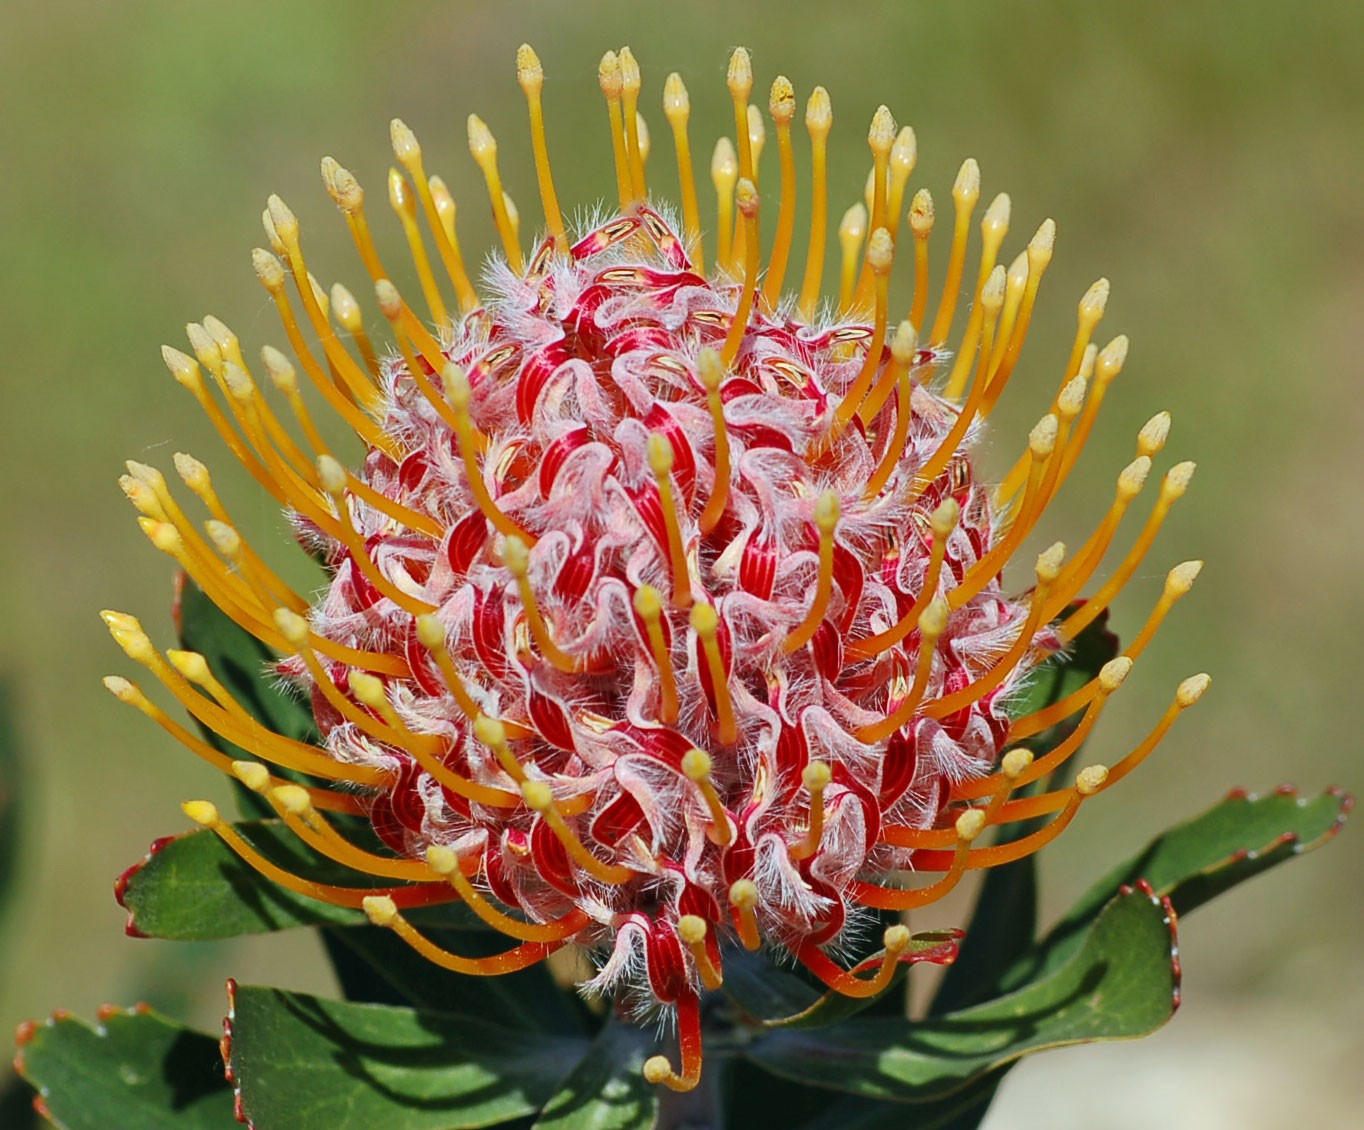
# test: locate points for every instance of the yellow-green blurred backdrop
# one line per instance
(1207, 157)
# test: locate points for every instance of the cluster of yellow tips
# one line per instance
(284, 450)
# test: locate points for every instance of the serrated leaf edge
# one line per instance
(28, 1031)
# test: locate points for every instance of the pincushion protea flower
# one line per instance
(665, 612)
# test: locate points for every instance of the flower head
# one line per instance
(664, 611)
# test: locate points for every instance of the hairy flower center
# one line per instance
(618, 629)
(661, 610)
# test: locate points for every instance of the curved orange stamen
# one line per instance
(385, 913)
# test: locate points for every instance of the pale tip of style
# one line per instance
(1091, 779)
(1113, 673)
(781, 102)
(970, 824)
(819, 112)
(966, 188)
(1192, 689)
(202, 812)
(380, 909)
(1049, 562)
(740, 75)
(529, 72)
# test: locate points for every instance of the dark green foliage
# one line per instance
(1123, 982)
(303, 1062)
(606, 1091)
(135, 1069)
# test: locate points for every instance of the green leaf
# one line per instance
(312, 1064)
(607, 1090)
(136, 1069)
(243, 665)
(375, 966)
(193, 887)
(764, 991)
(1123, 983)
(1000, 931)
(1233, 841)
(751, 1098)
(961, 1110)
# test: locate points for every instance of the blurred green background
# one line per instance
(1207, 157)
